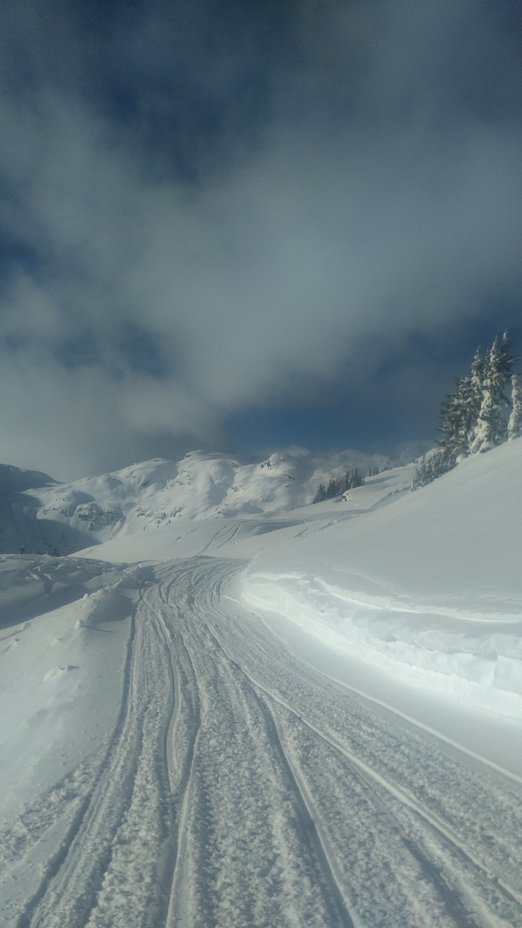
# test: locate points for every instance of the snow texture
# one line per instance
(263, 713)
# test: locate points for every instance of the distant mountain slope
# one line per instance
(38, 515)
(19, 528)
(18, 479)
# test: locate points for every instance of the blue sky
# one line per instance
(250, 225)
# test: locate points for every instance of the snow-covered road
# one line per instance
(242, 789)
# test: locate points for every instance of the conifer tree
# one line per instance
(484, 410)
(507, 359)
(331, 489)
(421, 476)
(320, 495)
(338, 485)
(475, 394)
(429, 469)
(491, 426)
(515, 419)
(459, 414)
(454, 423)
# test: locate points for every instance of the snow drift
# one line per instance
(428, 588)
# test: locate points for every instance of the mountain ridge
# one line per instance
(40, 515)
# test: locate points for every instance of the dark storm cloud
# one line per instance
(206, 209)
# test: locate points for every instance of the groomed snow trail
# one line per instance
(241, 789)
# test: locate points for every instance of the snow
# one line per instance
(64, 628)
(428, 587)
(159, 493)
(230, 707)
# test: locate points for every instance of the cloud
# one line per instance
(192, 228)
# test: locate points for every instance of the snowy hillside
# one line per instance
(429, 588)
(236, 708)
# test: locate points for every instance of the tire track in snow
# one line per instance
(450, 884)
(241, 788)
(312, 827)
(39, 817)
(182, 735)
(377, 784)
(39, 825)
(105, 871)
(462, 884)
(27, 916)
(249, 772)
(452, 901)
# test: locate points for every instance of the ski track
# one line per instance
(242, 789)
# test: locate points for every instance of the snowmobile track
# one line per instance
(242, 788)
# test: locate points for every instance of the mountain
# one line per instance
(19, 506)
(42, 516)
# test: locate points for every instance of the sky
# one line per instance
(249, 225)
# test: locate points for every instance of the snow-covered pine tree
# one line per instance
(429, 469)
(339, 485)
(320, 495)
(491, 427)
(332, 488)
(351, 479)
(507, 358)
(454, 423)
(481, 412)
(474, 395)
(422, 475)
(515, 419)
(459, 414)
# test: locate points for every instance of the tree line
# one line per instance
(483, 411)
(338, 485)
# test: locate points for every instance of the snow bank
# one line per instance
(64, 626)
(428, 588)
